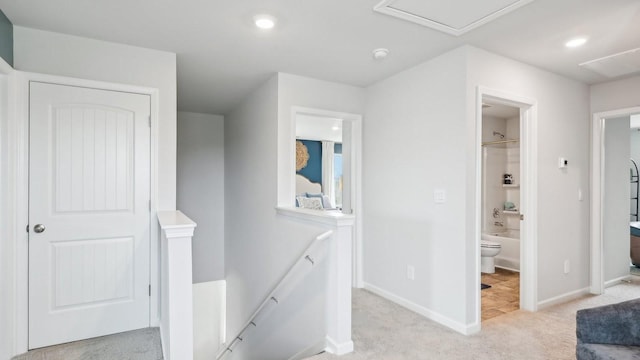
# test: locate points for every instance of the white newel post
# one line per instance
(176, 299)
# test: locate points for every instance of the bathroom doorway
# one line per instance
(505, 211)
(500, 235)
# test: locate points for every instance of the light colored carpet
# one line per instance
(143, 344)
(384, 330)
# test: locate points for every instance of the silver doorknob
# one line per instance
(39, 228)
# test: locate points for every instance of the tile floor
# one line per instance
(504, 294)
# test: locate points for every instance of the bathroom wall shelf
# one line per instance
(510, 186)
(511, 212)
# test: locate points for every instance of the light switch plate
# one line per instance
(439, 196)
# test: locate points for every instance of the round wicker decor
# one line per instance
(302, 156)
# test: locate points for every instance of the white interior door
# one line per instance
(89, 192)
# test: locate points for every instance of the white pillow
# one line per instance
(310, 203)
(326, 202)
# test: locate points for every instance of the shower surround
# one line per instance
(500, 158)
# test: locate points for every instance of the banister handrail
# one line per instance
(279, 292)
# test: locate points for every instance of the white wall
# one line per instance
(563, 125)
(615, 95)
(250, 133)
(209, 307)
(634, 139)
(260, 246)
(414, 131)
(615, 222)
(420, 135)
(64, 55)
(300, 91)
(200, 189)
(58, 54)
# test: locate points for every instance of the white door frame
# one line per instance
(19, 153)
(528, 195)
(356, 176)
(7, 258)
(597, 193)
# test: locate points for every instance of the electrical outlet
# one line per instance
(563, 163)
(411, 272)
(567, 266)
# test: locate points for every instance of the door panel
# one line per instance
(97, 175)
(89, 187)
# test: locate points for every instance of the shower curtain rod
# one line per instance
(500, 142)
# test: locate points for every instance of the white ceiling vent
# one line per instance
(624, 63)
(454, 17)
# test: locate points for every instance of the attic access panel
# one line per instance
(454, 17)
(616, 65)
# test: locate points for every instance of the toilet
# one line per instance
(488, 251)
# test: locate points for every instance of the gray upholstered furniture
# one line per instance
(609, 332)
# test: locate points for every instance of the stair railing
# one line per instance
(312, 255)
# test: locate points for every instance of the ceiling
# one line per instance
(499, 111)
(311, 127)
(222, 56)
(446, 15)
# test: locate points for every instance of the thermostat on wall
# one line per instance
(563, 163)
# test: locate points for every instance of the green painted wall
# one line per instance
(6, 38)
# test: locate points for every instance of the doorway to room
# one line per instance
(505, 203)
(615, 246)
(500, 235)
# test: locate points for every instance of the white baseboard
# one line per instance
(505, 267)
(563, 298)
(508, 264)
(338, 349)
(429, 314)
(617, 281)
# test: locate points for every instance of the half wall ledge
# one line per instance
(338, 338)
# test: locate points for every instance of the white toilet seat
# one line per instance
(488, 251)
(490, 244)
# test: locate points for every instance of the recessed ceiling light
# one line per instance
(335, 128)
(264, 21)
(380, 53)
(573, 43)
